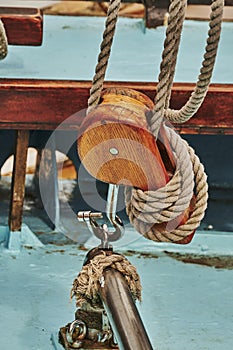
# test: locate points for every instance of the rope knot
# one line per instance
(86, 284)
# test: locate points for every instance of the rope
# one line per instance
(105, 50)
(171, 44)
(161, 109)
(3, 42)
(86, 284)
(169, 201)
(161, 209)
(151, 212)
(146, 218)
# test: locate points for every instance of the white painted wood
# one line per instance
(185, 306)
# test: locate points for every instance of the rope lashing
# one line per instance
(151, 212)
(3, 42)
(85, 285)
(167, 68)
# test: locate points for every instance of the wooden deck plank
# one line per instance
(45, 104)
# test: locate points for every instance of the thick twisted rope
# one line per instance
(162, 209)
(148, 211)
(145, 217)
(86, 284)
(169, 201)
(3, 42)
(171, 43)
(168, 65)
(105, 50)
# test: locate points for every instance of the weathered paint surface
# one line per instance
(71, 45)
(185, 306)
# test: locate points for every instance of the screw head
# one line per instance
(114, 151)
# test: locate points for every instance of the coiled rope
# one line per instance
(145, 219)
(3, 42)
(148, 209)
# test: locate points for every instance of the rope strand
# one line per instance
(105, 50)
(164, 211)
(3, 42)
(199, 93)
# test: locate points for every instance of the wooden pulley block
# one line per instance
(116, 146)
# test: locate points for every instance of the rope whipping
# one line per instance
(3, 42)
(151, 212)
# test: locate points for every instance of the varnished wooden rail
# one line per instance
(24, 26)
(45, 104)
(48, 104)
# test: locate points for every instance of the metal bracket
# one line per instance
(89, 330)
(103, 232)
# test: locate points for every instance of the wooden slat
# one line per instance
(44, 104)
(18, 181)
(24, 26)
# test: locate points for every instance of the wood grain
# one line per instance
(18, 181)
(45, 104)
(119, 123)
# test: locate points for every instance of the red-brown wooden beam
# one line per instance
(24, 26)
(44, 104)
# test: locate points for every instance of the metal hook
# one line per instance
(111, 206)
(102, 232)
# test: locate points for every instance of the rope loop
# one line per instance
(170, 201)
(152, 212)
(162, 99)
